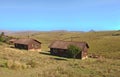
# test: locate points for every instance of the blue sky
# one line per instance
(72, 15)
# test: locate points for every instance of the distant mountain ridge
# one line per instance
(7, 32)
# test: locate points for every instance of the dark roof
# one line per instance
(65, 44)
(25, 41)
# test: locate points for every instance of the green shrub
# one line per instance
(73, 51)
(1, 39)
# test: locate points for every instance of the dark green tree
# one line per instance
(2, 34)
(2, 37)
(73, 51)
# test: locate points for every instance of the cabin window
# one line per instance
(25, 47)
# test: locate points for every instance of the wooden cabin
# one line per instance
(60, 48)
(28, 44)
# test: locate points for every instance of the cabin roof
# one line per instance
(64, 44)
(25, 41)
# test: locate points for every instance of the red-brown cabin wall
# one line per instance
(34, 45)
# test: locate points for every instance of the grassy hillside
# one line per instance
(17, 63)
(101, 43)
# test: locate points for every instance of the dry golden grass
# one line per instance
(17, 63)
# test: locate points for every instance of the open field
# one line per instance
(22, 63)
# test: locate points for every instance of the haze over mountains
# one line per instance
(10, 32)
(7, 32)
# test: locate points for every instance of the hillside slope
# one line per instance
(101, 43)
(17, 63)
